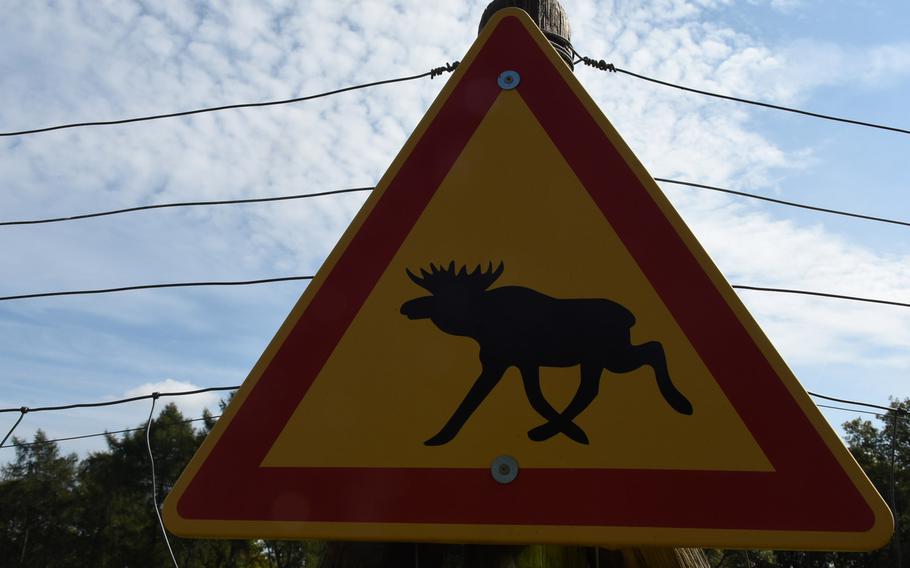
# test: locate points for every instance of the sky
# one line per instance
(72, 61)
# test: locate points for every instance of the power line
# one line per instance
(781, 202)
(148, 443)
(22, 412)
(860, 403)
(155, 287)
(217, 416)
(183, 204)
(296, 278)
(155, 395)
(604, 66)
(98, 434)
(25, 409)
(845, 409)
(365, 188)
(818, 294)
(435, 72)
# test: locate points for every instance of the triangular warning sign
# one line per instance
(519, 340)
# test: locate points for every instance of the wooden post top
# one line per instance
(550, 17)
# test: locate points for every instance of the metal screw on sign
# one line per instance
(504, 469)
(508, 80)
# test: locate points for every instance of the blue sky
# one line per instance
(69, 61)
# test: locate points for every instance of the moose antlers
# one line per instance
(438, 277)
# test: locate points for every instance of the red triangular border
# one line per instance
(808, 491)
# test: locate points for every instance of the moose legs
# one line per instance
(488, 379)
(587, 392)
(652, 353)
(630, 359)
(530, 376)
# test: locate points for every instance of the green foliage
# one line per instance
(872, 447)
(56, 511)
(38, 516)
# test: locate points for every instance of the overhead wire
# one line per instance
(34, 295)
(860, 403)
(878, 414)
(23, 410)
(156, 395)
(278, 198)
(183, 204)
(116, 401)
(98, 434)
(610, 67)
(845, 409)
(819, 295)
(148, 442)
(435, 72)
(209, 283)
(779, 202)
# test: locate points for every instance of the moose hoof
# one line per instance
(437, 440)
(680, 404)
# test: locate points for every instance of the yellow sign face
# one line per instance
(518, 331)
(398, 379)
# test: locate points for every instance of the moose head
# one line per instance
(453, 294)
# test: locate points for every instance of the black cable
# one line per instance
(858, 403)
(23, 411)
(358, 189)
(184, 204)
(97, 434)
(604, 66)
(448, 67)
(119, 401)
(155, 287)
(819, 294)
(781, 202)
(845, 409)
(217, 416)
(148, 443)
(294, 278)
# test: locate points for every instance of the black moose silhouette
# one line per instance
(518, 326)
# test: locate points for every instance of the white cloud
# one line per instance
(190, 406)
(71, 62)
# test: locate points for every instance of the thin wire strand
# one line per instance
(148, 442)
(860, 403)
(782, 202)
(448, 67)
(217, 416)
(97, 434)
(121, 400)
(845, 409)
(155, 395)
(820, 295)
(359, 189)
(293, 278)
(23, 411)
(154, 287)
(604, 66)
(182, 204)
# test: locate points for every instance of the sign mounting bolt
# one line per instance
(504, 469)
(508, 80)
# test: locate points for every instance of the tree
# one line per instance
(118, 516)
(37, 520)
(884, 454)
(881, 452)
